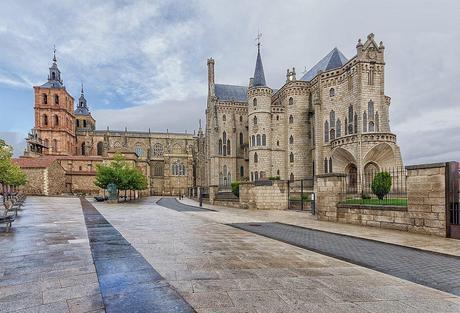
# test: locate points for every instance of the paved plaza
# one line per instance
(144, 257)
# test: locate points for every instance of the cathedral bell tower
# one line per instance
(54, 118)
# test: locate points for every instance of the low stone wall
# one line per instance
(264, 195)
(425, 211)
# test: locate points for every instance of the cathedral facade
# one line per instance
(335, 118)
(69, 135)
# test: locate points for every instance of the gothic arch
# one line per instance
(382, 155)
(341, 159)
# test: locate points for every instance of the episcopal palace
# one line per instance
(334, 118)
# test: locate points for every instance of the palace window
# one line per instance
(258, 140)
(254, 102)
(224, 118)
(291, 157)
(291, 140)
(45, 99)
(325, 165)
(326, 131)
(291, 119)
(220, 146)
(139, 150)
(253, 140)
(228, 147)
(178, 169)
(241, 140)
(331, 92)
(45, 120)
(330, 165)
(56, 121)
(158, 149)
(364, 122)
(256, 158)
(264, 140)
(338, 127)
(255, 120)
(377, 128)
(241, 171)
(291, 101)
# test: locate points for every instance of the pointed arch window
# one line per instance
(377, 126)
(224, 136)
(220, 146)
(45, 120)
(346, 126)
(364, 122)
(356, 123)
(331, 92)
(255, 120)
(56, 121)
(338, 127)
(241, 118)
(84, 123)
(228, 147)
(371, 126)
(241, 140)
(325, 165)
(277, 172)
(291, 101)
(350, 120)
(291, 139)
(45, 99)
(291, 157)
(332, 119)
(370, 109)
(256, 158)
(264, 140)
(224, 118)
(241, 171)
(55, 145)
(253, 140)
(258, 140)
(326, 131)
(332, 134)
(254, 102)
(291, 119)
(256, 175)
(100, 147)
(278, 143)
(291, 177)
(330, 165)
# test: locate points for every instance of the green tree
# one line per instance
(381, 184)
(236, 188)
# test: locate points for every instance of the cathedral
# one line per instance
(334, 118)
(68, 136)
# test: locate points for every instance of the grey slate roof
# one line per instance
(82, 111)
(231, 92)
(52, 84)
(332, 60)
(259, 76)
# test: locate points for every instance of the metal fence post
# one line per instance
(301, 194)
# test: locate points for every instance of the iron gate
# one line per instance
(452, 200)
(301, 196)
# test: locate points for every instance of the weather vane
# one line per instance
(259, 35)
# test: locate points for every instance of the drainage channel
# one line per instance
(128, 283)
(435, 270)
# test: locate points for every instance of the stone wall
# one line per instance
(34, 184)
(55, 180)
(264, 195)
(425, 211)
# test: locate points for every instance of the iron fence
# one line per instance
(300, 195)
(357, 188)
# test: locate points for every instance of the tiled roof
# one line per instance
(332, 60)
(38, 162)
(231, 92)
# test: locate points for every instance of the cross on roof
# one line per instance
(259, 35)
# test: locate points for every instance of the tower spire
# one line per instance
(259, 76)
(54, 54)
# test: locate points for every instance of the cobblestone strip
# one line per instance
(128, 283)
(173, 204)
(430, 269)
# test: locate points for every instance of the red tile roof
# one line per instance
(38, 162)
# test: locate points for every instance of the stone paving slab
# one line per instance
(218, 268)
(427, 268)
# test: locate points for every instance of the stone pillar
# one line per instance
(329, 192)
(213, 190)
(426, 198)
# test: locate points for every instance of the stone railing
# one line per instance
(366, 137)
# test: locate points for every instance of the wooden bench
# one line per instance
(8, 218)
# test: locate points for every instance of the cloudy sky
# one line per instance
(143, 63)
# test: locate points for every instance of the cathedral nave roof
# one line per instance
(332, 60)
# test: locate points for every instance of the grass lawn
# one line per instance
(396, 201)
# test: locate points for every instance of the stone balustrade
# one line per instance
(366, 137)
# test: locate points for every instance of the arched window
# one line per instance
(241, 171)
(277, 172)
(291, 157)
(228, 147)
(377, 126)
(224, 136)
(158, 149)
(278, 143)
(291, 140)
(100, 147)
(53, 75)
(256, 175)
(56, 99)
(224, 118)
(277, 117)
(291, 119)
(241, 118)
(350, 120)
(220, 146)
(291, 177)
(258, 140)
(253, 140)
(139, 150)
(370, 110)
(291, 101)
(356, 123)
(332, 134)
(330, 165)
(264, 140)
(158, 169)
(254, 102)
(241, 140)
(84, 123)
(83, 148)
(56, 121)
(256, 158)
(364, 122)
(325, 165)
(78, 123)
(326, 131)
(45, 99)
(55, 145)
(332, 119)
(255, 120)
(371, 126)
(338, 127)
(45, 120)
(331, 92)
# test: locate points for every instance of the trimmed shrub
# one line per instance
(381, 184)
(236, 188)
